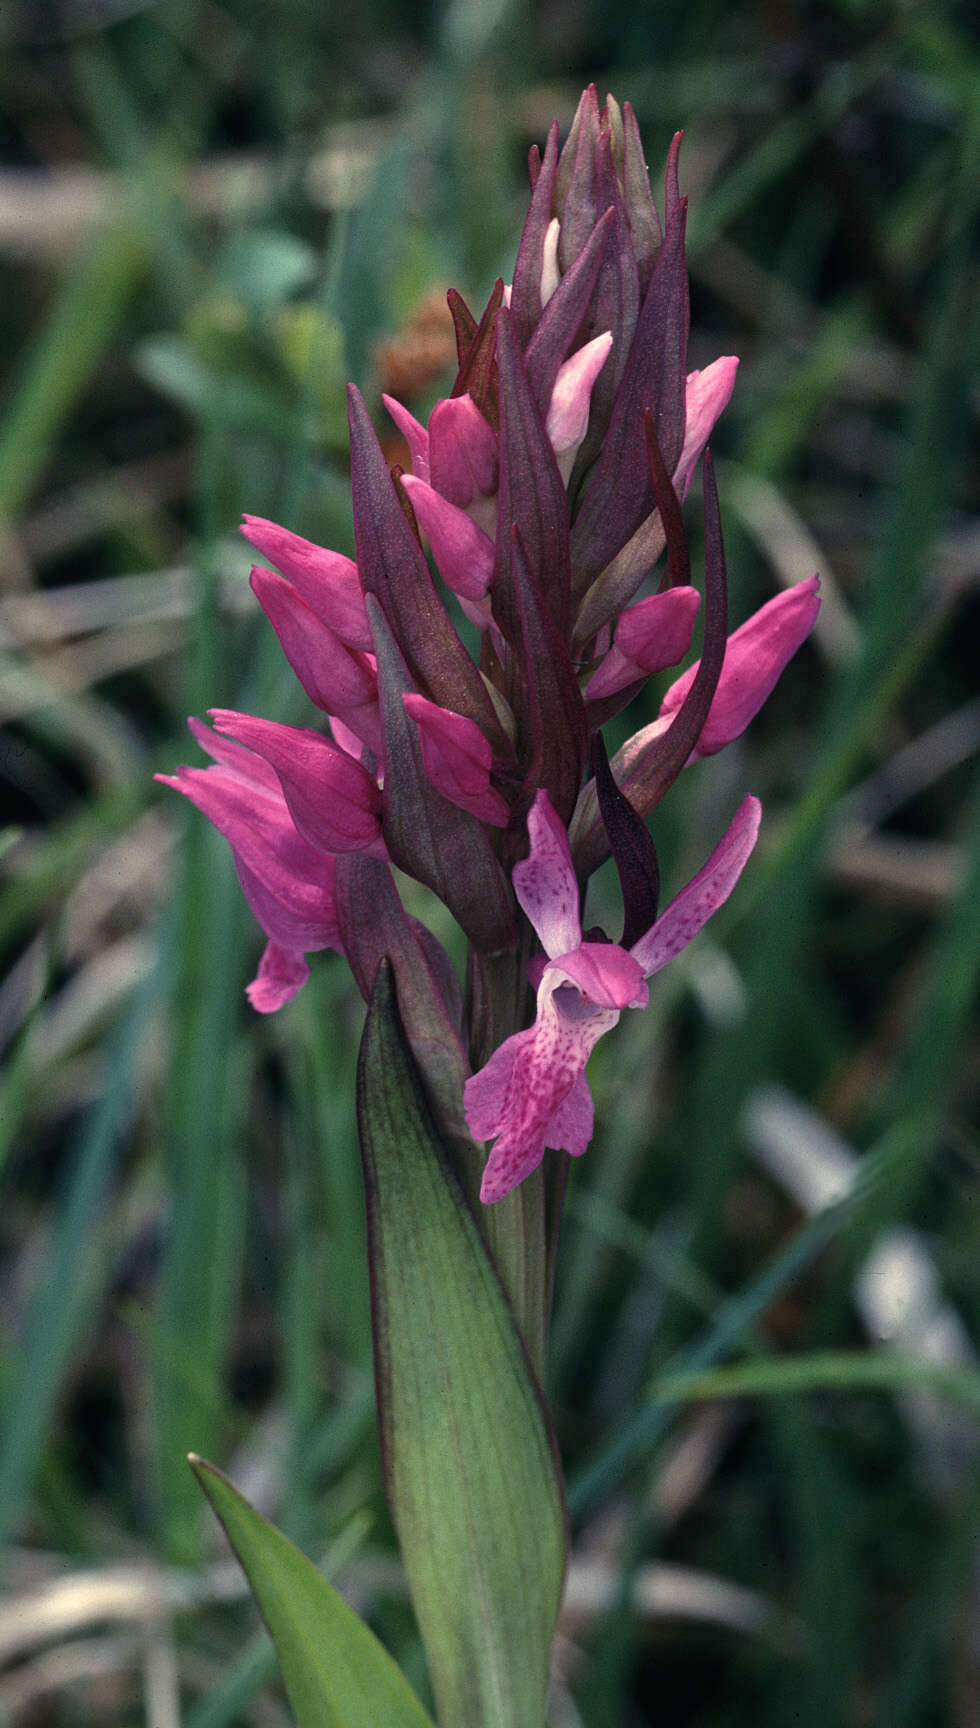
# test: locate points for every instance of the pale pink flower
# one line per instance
(533, 1093)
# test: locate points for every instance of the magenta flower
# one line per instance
(543, 492)
(288, 883)
(533, 1093)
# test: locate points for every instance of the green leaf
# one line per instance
(336, 1673)
(823, 1371)
(471, 1471)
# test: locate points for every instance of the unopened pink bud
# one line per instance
(653, 634)
(333, 801)
(464, 554)
(462, 452)
(332, 676)
(755, 655)
(415, 436)
(329, 583)
(336, 678)
(568, 411)
(457, 758)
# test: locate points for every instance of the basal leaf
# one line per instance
(336, 1672)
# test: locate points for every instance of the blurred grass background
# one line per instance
(212, 213)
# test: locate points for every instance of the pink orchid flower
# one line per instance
(533, 1093)
(288, 883)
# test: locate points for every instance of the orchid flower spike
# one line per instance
(533, 1093)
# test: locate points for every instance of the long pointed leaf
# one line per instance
(336, 1673)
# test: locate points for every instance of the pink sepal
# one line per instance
(333, 801)
(545, 882)
(329, 583)
(706, 394)
(457, 758)
(755, 655)
(690, 910)
(415, 436)
(567, 419)
(281, 975)
(464, 554)
(653, 634)
(462, 451)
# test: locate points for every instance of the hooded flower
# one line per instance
(533, 1093)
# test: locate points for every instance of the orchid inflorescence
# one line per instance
(548, 486)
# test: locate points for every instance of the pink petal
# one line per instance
(707, 394)
(485, 1093)
(709, 889)
(545, 881)
(568, 411)
(462, 451)
(415, 436)
(333, 676)
(334, 803)
(755, 655)
(606, 975)
(464, 554)
(570, 1129)
(652, 634)
(457, 758)
(329, 583)
(280, 975)
(349, 742)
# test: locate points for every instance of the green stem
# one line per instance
(516, 1228)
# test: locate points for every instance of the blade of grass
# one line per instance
(72, 1279)
(823, 1371)
(62, 359)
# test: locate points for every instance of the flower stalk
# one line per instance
(544, 506)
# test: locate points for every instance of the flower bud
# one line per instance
(328, 582)
(755, 655)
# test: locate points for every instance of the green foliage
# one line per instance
(337, 1674)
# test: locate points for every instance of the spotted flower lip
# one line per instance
(533, 1094)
